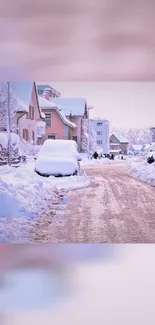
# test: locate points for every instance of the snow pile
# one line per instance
(23, 193)
(4, 140)
(29, 148)
(143, 171)
(151, 154)
(4, 148)
(93, 162)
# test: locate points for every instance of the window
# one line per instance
(74, 138)
(33, 136)
(99, 133)
(51, 136)
(99, 123)
(48, 119)
(25, 134)
(31, 112)
(99, 141)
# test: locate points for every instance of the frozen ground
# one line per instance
(24, 196)
(115, 208)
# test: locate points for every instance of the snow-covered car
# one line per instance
(58, 158)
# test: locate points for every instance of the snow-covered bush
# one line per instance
(88, 138)
(29, 148)
(15, 155)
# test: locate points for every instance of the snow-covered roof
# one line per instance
(74, 106)
(120, 137)
(137, 147)
(44, 103)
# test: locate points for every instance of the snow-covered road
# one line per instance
(115, 208)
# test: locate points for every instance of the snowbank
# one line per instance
(23, 193)
(143, 171)
(29, 148)
(4, 140)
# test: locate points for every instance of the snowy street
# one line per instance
(115, 208)
(109, 202)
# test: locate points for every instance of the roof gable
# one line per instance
(46, 104)
(120, 137)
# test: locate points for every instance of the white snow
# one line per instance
(151, 154)
(49, 165)
(143, 171)
(73, 106)
(23, 193)
(4, 139)
(137, 147)
(120, 137)
(152, 147)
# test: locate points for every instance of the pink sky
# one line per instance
(124, 104)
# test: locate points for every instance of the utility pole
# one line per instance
(9, 124)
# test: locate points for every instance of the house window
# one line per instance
(99, 123)
(31, 112)
(99, 133)
(25, 134)
(99, 141)
(48, 119)
(75, 139)
(33, 136)
(51, 136)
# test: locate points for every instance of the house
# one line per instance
(47, 91)
(152, 131)
(101, 127)
(30, 119)
(136, 149)
(118, 144)
(75, 109)
(58, 126)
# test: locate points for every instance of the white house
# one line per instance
(101, 127)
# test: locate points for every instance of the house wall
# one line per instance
(27, 123)
(113, 139)
(102, 138)
(77, 132)
(57, 128)
(124, 148)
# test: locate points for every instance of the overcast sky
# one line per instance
(124, 104)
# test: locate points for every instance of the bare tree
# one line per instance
(4, 105)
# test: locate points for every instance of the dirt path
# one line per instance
(116, 208)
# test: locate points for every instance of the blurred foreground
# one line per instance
(91, 40)
(77, 284)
